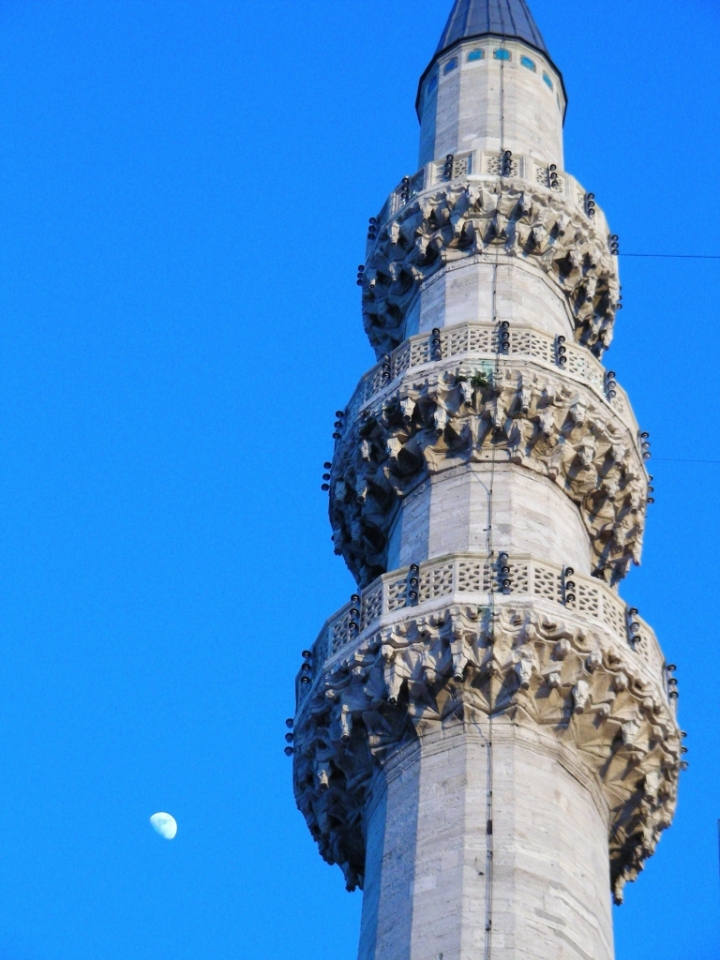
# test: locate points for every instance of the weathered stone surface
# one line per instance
(448, 514)
(485, 736)
(464, 664)
(440, 882)
(531, 418)
(501, 217)
(463, 107)
(475, 347)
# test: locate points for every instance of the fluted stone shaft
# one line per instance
(485, 738)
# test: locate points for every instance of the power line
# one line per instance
(674, 256)
(681, 460)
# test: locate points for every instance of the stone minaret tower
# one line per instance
(485, 738)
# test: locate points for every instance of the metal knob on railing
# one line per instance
(289, 737)
(610, 385)
(560, 351)
(327, 466)
(504, 572)
(413, 584)
(436, 345)
(504, 337)
(650, 489)
(339, 424)
(306, 669)
(633, 626)
(354, 624)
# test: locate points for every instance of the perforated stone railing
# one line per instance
(471, 578)
(487, 163)
(479, 341)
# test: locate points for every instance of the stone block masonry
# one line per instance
(485, 738)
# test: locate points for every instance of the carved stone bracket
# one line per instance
(462, 666)
(536, 420)
(464, 219)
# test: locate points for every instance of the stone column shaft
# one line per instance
(464, 828)
(485, 738)
(491, 103)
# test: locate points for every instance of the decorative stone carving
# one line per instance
(463, 665)
(534, 419)
(464, 219)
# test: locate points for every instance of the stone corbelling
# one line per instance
(460, 666)
(474, 579)
(482, 341)
(533, 419)
(469, 218)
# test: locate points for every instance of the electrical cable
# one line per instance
(673, 256)
(682, 460)
(490, 831)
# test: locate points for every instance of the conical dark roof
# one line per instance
(507, 19)
(499, 18)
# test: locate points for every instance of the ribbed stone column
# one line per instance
(485, 738)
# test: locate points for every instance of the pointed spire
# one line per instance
(510, 19)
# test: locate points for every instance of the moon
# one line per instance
(165, 825)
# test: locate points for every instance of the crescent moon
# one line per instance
(165, 825)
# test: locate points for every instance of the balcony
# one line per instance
(473, 580)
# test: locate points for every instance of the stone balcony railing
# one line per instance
(472, 579)
(479, 342)
(462, 640)
(487, 163)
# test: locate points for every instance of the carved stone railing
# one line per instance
(488, 163)
(471, 579)
(455, 415)
(477, 218)
(479, 341)
(429, 648)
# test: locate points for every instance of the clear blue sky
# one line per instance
(184, 191)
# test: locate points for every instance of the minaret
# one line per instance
(485, 738)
